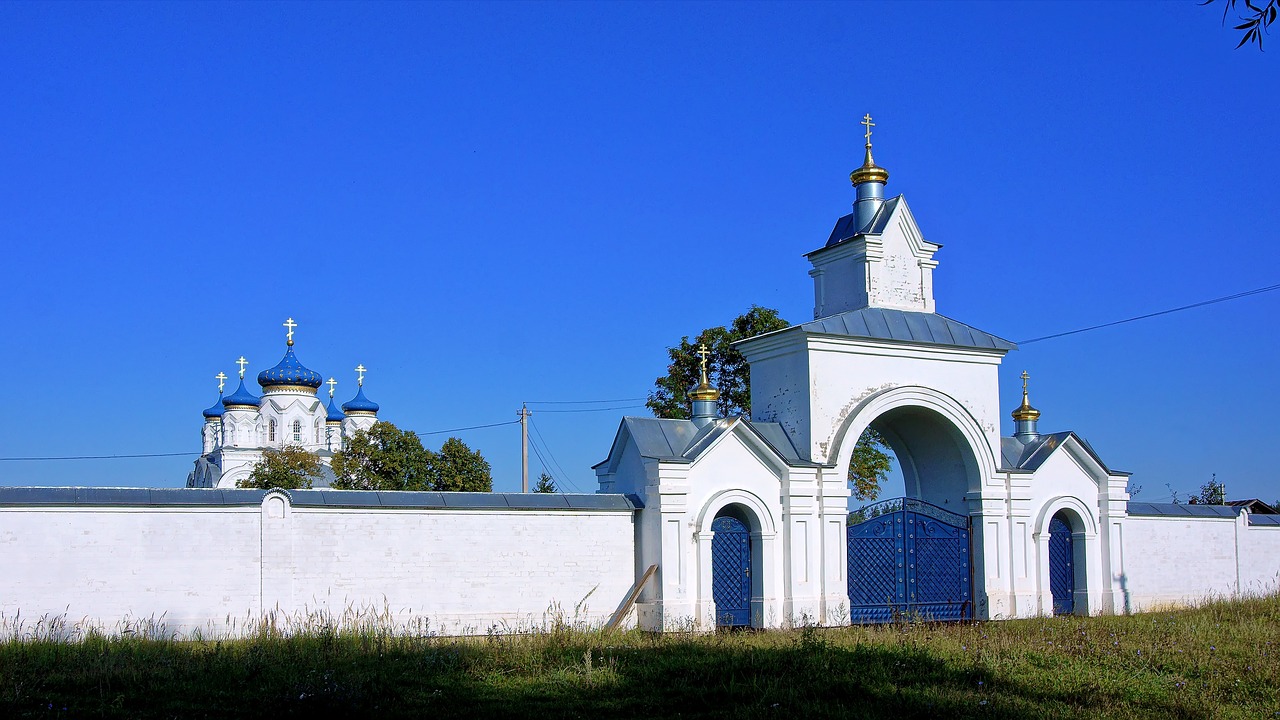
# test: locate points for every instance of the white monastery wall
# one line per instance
(1170, 561)
(216, 569)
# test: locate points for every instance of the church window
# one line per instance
(297, 431)
(271, 430)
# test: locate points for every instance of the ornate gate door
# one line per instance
(731, 572)
(1062, 576)
(909, 558)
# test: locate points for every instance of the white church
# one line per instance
(697, 524)
(240, 426)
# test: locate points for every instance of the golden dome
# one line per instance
(869, 172)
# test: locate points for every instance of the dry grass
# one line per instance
(1214, 661)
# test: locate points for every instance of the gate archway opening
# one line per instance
(912, 555)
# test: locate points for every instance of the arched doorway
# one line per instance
(1062, 565)
(913, 555)
(731, 576)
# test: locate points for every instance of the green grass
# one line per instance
(1218, 660)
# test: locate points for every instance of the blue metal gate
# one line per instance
(731, 571)
(1062, 575)
(910, 558)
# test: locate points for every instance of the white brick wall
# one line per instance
(215, 568)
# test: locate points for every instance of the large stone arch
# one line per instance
(935, 438)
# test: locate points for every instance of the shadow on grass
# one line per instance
(794, 675)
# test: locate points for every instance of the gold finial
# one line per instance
(704, 391)
(242, 362)
(290, 324)
(1025, 411)
(361, 371)
(332, 383)
(869, 172)
(221, 377)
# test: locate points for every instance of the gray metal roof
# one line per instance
(906, 326)
(681, 441)
(1264, 519)
(846, 229)
(1028, 457)
(1146, 509)
(153, 497)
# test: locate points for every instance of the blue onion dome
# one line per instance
(241, 398)
(290, 373)
(360, 405)
(214, 412)
(333, 414)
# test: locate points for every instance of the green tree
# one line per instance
(1255, 22)
(1211, 493)
(459, 468)
(545, 484)
(726, 367)
(290, 467)
(728, 370)
(384, 457)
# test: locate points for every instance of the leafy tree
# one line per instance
(726, 367)
(1255, 22)
(728, 370)
(1211, 493)
(458, 467)
(870, 465)
(290, 467)
(545, 484)
(384, 457)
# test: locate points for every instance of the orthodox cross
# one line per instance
(866, 122)
(222, 381)
(360, 369)
(242, 362)
(1024, 377)
(290, 324)
(331, 385)
(703, 353)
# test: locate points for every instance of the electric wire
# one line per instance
(580, 402)
(1224, 298)
(552, 455)
(586, 410)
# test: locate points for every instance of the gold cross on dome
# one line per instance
(222, 381)
(866, 122)
(360, 369)
(332, 383)
(242, 362)
(703, 353)
(290, 324)
(1024, 377)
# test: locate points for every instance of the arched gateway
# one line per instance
(970, 539)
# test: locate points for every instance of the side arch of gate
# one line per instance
(909, 558)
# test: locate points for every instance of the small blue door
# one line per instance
(731, 572)
(1062, 575)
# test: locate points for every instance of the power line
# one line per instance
(473, 427)
(1224, 298)
(580, 402)
(552, 455)
(583, 410)
(100, 457)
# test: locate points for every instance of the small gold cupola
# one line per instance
(1025, 416)
(868, 183)
(703, 395)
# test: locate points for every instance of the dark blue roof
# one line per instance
(360, 403)
(216, 410)
(333, 414)
(906, 326)
(1146, 509)
(846, 227)
(290, 372)
(241, 397)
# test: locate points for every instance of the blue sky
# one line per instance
(489, 204)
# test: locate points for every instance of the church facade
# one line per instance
(239, 427)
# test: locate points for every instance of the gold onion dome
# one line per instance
(1025, 411)
(869, 172)
(703, 390)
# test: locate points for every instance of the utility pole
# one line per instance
(524, 447)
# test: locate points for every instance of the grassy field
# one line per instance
(1215, 661)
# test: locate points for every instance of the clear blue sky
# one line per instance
(488, 204)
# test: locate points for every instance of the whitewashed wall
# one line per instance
(1172, 561)
(217, 568)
